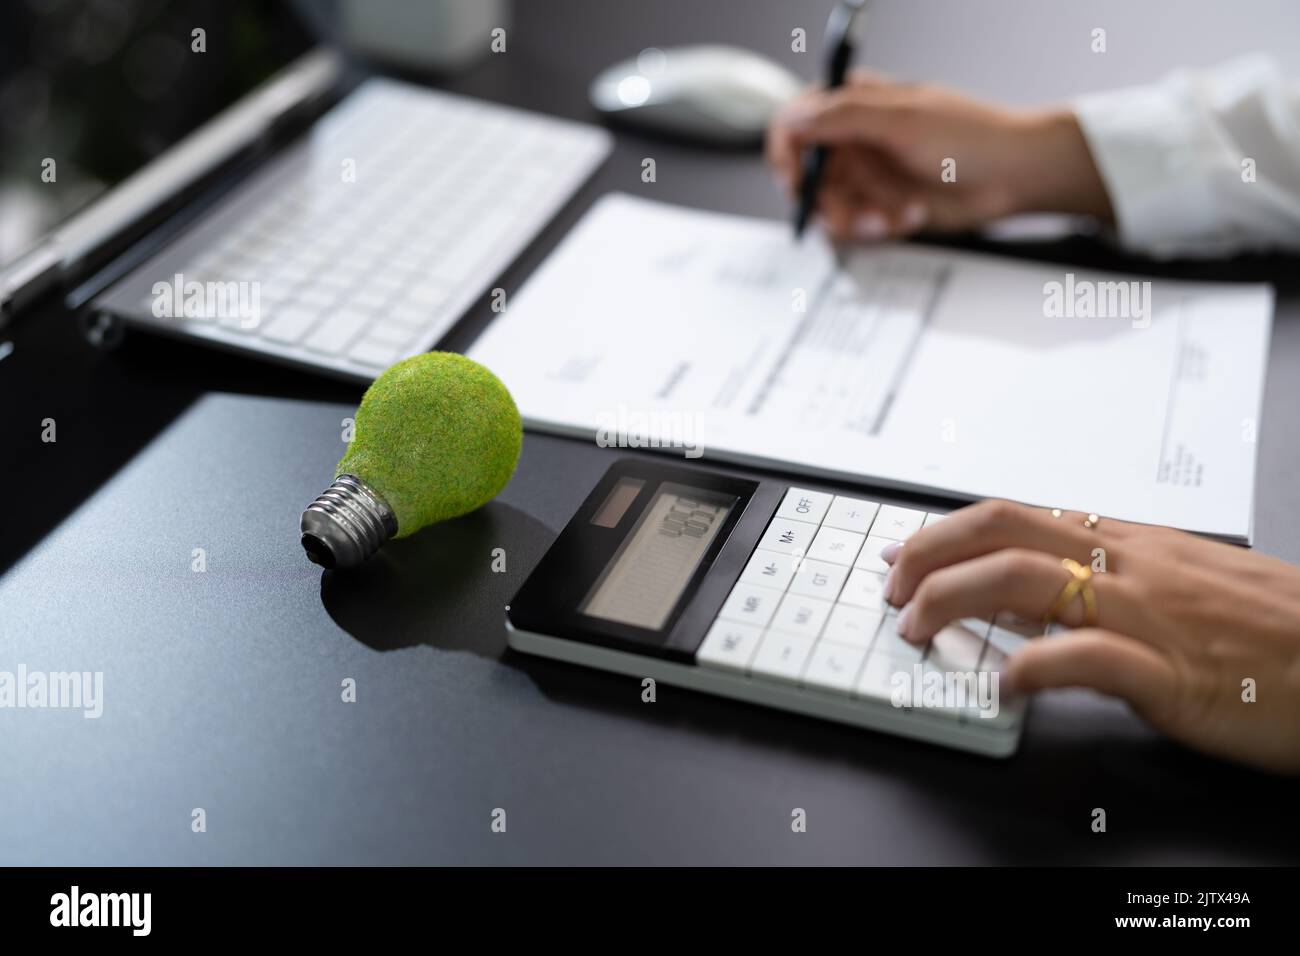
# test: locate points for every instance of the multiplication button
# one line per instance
(897, 524)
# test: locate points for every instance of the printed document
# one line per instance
(719, 337)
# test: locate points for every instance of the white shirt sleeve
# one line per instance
(1205, 163)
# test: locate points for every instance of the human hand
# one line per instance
(1182, 622)
(891, 143)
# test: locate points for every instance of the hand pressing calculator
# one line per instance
(763, 593)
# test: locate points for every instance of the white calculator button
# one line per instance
(865, 589)
(876, 682)
(818, 579)
(801, 615)
(890, 644)
(834, 667)
(1002, 643)
(932, 519)
(897, 523)
(781, 656)
(851, 514)
(729, 645)
(771, 569)
(836, 546)
(1026, 628)
(788, 536)
(869, 558)
(750, 604)
(957, 647)
(800, 504)
(852, 626)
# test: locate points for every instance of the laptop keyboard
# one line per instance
(368, 240)
(809, 610)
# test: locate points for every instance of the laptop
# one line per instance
(250, 188)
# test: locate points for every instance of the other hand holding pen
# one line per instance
(894, 141)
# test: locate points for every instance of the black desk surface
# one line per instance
(222, 688)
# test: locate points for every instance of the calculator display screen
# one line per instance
(655, 563)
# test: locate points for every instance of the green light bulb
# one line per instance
(436, 436)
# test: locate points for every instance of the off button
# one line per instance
(800, 504)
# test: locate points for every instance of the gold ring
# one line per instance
(1080, 584)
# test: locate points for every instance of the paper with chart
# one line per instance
(912, 367)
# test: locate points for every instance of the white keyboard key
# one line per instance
(771, 569)
(836, 546)
(370, 352)
(392, 333)
(834, 667)
(890, 644)
(367, 300)
(411, 316)
(801, 615)
(335, 282)
(818, 579)
(851, 514)
(336, 331)
(247, 324)
(487, 229)
(869, 558)
(781, 656)
(852, 626)
(274, 291)
(932, 518)
(750, 604)
(729, 645)
(288, 323)
(956, 647)
(897, 523)
(865, 589)
(788, 537)
(316, 298)
(800, 504)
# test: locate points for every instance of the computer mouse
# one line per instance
(722, 94)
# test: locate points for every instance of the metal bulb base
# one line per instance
(347, 524)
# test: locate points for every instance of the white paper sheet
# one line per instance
(906, 366)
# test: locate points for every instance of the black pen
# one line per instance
(839, 41)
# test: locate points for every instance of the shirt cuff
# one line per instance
(1158, 152)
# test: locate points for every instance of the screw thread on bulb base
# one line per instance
(346, 524)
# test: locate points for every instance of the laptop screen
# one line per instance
(90, 92)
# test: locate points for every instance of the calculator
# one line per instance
(764, 593)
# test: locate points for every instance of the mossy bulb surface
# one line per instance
(437, 435)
